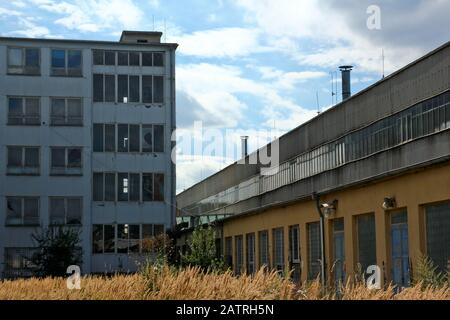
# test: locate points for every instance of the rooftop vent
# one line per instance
(244, 146)
(141, 37)
(346, 83)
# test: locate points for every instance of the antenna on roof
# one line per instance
(382, 59)
(333, 91)
(317, 98)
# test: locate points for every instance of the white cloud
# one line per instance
(6, 12)
(220, 43)
(94, 15)
(19, 4)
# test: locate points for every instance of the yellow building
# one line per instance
(376, 167)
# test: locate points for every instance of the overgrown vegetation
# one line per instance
(428, 275)
(57, 249)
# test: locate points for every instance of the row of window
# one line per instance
(123, 88)
(69, 62)
(27, 61)
(124, 186)
(25, 160)
(128, 58)
(437, 224)
(124, 238)
(143, 138)
(24, 211)
(27, 111)
(425, 118)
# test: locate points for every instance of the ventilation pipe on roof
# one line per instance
(244, 146)
(346, 82)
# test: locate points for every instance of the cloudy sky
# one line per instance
(251, 66)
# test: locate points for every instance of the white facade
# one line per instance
(48, 182)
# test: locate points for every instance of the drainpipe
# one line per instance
(316, 197)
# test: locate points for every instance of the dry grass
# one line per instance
(191, 283)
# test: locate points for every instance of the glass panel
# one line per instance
(122, 89)
(278, 249)
(32, 157)
(58, 59)
(58, 157)
(159, 138)
(14, 211)
(134, 238)
(159, 187)
(122, 138)
(97, 238)
(122, 238)
(366, 241)
(57, 211)
(147, 187)
(15, 156)
(134, 138)
(98, 187)
(74, 59)
(314, 251)
(159, 89)
(32, 111)
(438, 235)
(109, 232)
(98, 87)
(147, 142)
(263, 249)
(134, 88)
(134, 58)
(31, 211)
(75, 111)
(98, 57)
(123, 187)
(15, 57)
(74, 211)
(110, 88)
(58, 111)
(158, 59)
(74, 158)
(98, 137)
(110, 58)
(32, 57)
(122, 58)
(147, 89)
(134, 186)
(110, 187)
(110, 137)
(147, 59)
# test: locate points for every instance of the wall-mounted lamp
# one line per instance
(329, 209)
(389, 203)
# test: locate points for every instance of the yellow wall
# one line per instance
(411, 191)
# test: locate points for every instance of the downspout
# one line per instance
(316, 197)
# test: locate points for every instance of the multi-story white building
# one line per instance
(85, 141)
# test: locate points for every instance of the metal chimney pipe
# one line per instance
(346, 82)
(244, 146)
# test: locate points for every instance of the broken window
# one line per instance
(147, 138)
(159, 187)
(147, 187)
(22, 211)
(109, 232)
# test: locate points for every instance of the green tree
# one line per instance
(58, 248)
(202, 250)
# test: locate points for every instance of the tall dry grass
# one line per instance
(192, 283)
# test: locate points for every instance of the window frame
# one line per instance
(66, 200)
(23, 65)
(66, 68)
(67, 123)
(67, 170)
(22, 213)
(24, 116)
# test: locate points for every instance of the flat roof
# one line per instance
(91, 42)
(363, 91)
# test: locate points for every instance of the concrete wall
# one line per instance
(46, 86)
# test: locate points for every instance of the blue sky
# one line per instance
(249, 64)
